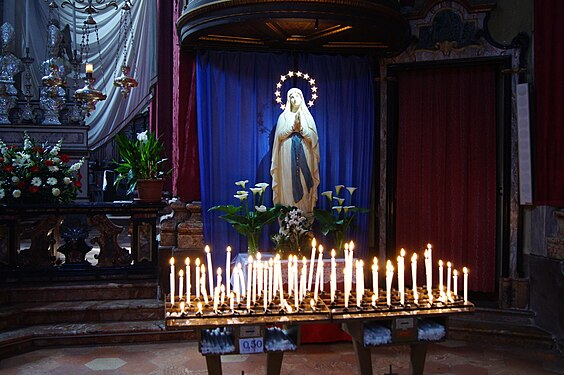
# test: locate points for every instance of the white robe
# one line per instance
(281, 169)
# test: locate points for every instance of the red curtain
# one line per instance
(185, 158)
(446, 168)
(549, 93)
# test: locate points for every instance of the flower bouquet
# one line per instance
(340, 217)
(294, 233)
(37, 173)
(249, 217)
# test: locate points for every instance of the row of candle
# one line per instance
(264, 279)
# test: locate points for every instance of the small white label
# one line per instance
(252, 345)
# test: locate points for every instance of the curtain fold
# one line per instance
(115, 112)
(237, 117)
(549, 94)
(446, 171)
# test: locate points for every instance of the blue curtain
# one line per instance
(237, 117)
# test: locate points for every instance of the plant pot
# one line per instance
(150, 191)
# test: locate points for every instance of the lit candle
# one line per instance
(228, 270)
(375, 276)
(449, 270)
(389, 279)
(303, 279)
(210, 268)
(290, 269)
(188, 281)
(203, 284)
(259, 273)
(219, 279)
(255, 269)
(222, 291)
(197, 269)
(332, 282)
(236, 284)
(357, 276)
(346, 252)
(430, 255)
(249, 278)
(172, 281)
(232, 303)
(465, 271)
(401, 276)
(440, 276)
(241, 278)
(311, 264)
(180, 285)
(270, 279)
(318, 273)
(428, 273)
(89, 68)
(296, 287)
(414, 276)
(455, 282)
(347, 290)
(265, 280)
(281, 289)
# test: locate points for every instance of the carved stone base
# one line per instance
(185, 228)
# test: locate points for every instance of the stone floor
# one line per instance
(171, 358)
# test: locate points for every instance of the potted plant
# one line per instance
(339, 217)
(142, 165)
(250, 217)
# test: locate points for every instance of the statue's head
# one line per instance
(295, 98)
(8, 37)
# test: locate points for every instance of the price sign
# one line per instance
(251, 345)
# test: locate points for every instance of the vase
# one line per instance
(150, 191)
(252, 243)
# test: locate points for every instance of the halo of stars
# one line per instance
(298, 74)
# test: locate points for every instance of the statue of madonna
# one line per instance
(295, 155)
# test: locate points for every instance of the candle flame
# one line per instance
(250, 259)
(259, 255)
(181, 273)
(304, 260)
(207, 249)
(402, 252)
(429, 246)
(346, 246)
(228, 249)
(414, 257)
(440, 263)
(171, 261)
(320, 248)
(333, 253)
(313, 243)
(375, 261)
(449, 264)
(465, 270)
(203, 268)
(455, 272)
(351, 246)
(197, 262)
(187, 261)
(219, 270)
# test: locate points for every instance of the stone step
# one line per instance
(501, 326)
(25, 339)
(30, 314)
(79, 291)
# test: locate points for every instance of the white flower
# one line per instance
(76, 166)
(2, 193)
(56, 160)
(351, 190)
(67, 180)
(56, 192)
(36, 181)
(27, 143)
(53, 168)
(55, 150)
(340, 200)
(262, 185)
(261, 208)
(142, 137)
(52, 181)
(15, 179)
(338, 188)
(240, 196)
(256, 190)
(242, 183)
(243, 192)
(16, 193)
(338, 208)
(328, 194)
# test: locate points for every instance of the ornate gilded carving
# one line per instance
(111, 254)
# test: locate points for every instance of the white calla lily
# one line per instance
(261, 208)
(338, 188)
(328, 194)
(242, 183)
(351, 189)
